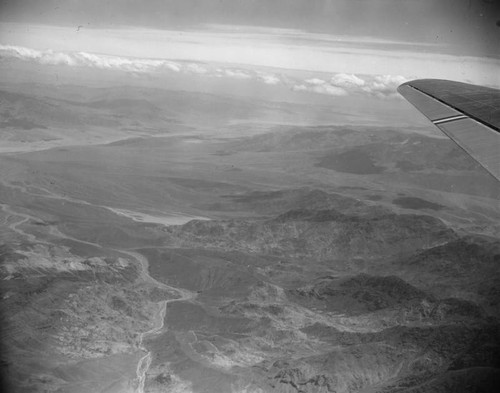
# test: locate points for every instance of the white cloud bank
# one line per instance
(253, 49)
(84, 59)
(340, 84)
(347, 80)
(320, 86)
(270, 79)
(382, 86)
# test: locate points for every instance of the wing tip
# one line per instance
(402, 86)
(416, 81)
(424, 81)
(411, 83)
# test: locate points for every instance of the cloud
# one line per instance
(381, 86)
(315, 81)
(341, 84)
(269, 79)
(299, 88)
(172, 66)
(196, 69)
(236, 73)
(347, 80)
(320, 86)
(84, 59)
(330, 90)
(384, 86)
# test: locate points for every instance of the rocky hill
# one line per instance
(331, 297)
(318, 234)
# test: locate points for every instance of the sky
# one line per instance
(469, 24)
(378, 42)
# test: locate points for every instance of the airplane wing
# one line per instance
(468, 114)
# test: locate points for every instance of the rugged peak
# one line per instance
(362, 293)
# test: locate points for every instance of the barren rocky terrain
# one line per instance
(154, 240)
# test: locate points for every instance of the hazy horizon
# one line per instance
(468, 24)
(407, 39)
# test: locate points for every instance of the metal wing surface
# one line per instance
(468, 114)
